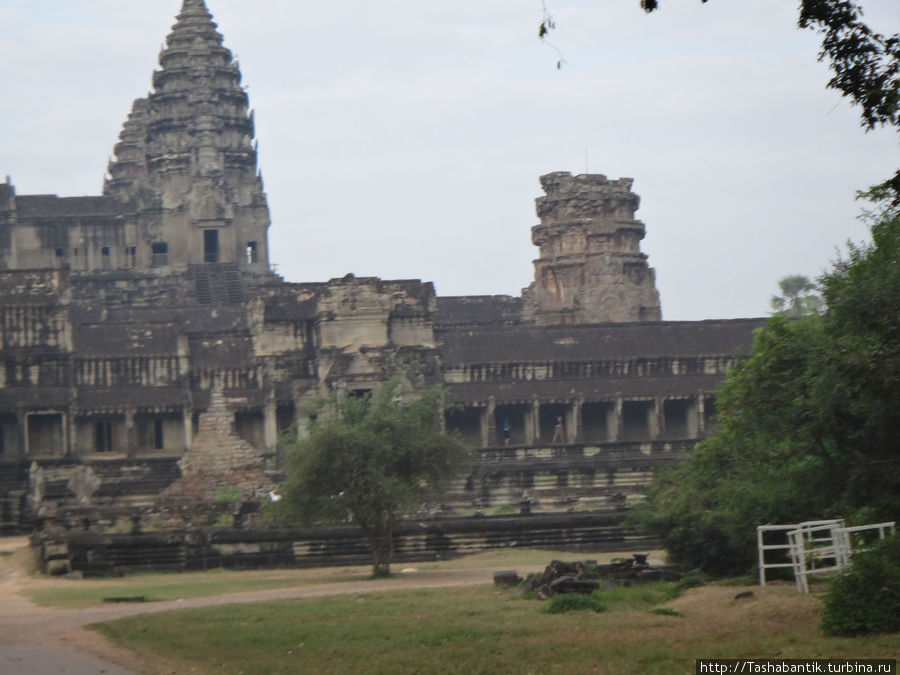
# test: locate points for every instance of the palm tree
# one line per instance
(798, 297)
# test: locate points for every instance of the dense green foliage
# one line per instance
(865, 598)
(573, 602)
(368, 459)
(808, 425)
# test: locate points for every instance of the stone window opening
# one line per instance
(45, 434)
(105, 258)
(131, 256)
(250, 426)
(252, 253)
(156, 432)
(103, 436)
(285, 416)
(211, 246)
(160, 252)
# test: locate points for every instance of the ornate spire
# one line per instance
(196, 117)
(189, 145)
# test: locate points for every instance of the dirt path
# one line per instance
(37, 640)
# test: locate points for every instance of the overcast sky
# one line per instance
(405, 138)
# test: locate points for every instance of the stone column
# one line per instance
(492, 420)
(617, 429)
(691, 419)
(533, 422)
(68, 431)
(485, 417)
(574, 426)
(701, 413)
(656, 421)
(301, 416)
(131, 447)
(187, 423)
(22, 430)
(270, 424)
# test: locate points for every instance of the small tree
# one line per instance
(379, 455)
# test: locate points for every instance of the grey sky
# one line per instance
(405, 138)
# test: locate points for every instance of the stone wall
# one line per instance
(59, 551)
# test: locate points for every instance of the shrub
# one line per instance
(573, 602)
(228, 494)
(224, 520)
(865, 598)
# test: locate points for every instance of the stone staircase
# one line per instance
(217, 283)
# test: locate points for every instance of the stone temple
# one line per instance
(143, 333)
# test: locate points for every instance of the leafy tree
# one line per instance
(377, 456)
(807, 425)
(797, 297)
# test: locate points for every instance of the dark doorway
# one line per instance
(466, 421)
(211, 246)
(511, 420)
(103, 436)
(636, 420)
(595, 421)
(677, 416)
(553, 423)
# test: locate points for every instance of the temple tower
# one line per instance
(186, 158)
(590, 269)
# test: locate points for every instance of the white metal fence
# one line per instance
(813, 547)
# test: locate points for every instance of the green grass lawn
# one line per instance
(482, 630)
(157, 588)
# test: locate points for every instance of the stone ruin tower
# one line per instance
(186, 158)
(590, 269)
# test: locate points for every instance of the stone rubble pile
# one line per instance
(586, 576)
